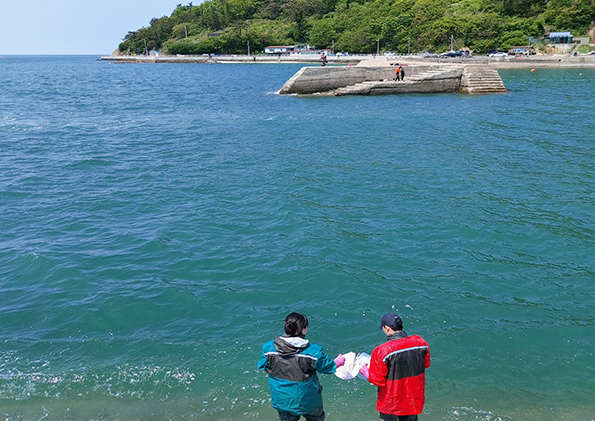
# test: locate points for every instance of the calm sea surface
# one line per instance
(158, 222)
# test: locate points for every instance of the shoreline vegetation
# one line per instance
(361, 26)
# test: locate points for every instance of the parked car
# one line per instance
(498, 54)
(389, 54)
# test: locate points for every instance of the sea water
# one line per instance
(159, 221)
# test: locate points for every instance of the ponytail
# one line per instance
(295, 323)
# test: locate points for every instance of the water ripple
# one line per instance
(155, 234)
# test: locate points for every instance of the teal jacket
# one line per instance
(292, 363)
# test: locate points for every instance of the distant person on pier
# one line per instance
(324, 59)
(398, 73)
(402, 74)
(291, 363)
(398, 368)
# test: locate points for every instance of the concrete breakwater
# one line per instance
(237, 58)
(373, 75)
(379, 80)
(537, 61)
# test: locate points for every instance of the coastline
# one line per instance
(237, 58)
(374, 75)
(540, 61)
(537, 61)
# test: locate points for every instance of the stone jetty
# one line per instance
(379, 80)
(235, 58)
(374, 75)
(481, 80)
(474, 75)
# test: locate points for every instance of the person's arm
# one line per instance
(427, 358)
(365, 371)
(325, 365)
(263, 363)
(378, 369)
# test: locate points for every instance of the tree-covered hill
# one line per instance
(229, 26)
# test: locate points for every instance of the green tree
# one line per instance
(322, 32)
(356, 25)
(567, 15)
(481, 32)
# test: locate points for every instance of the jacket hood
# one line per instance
(290, 345)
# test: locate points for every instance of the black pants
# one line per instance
(316, 415)
(390, 417)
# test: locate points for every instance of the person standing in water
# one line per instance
(398, 368)
(291, 363)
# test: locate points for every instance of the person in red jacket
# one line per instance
(398, 368)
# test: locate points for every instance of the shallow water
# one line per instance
(159, 221)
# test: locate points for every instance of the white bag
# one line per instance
(352, 365)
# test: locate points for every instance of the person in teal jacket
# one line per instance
(291, 363)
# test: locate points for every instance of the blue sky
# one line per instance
(74, 26)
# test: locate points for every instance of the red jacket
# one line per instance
(398, 369)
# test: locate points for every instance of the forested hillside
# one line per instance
(227, 26)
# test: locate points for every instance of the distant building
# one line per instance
(311, 52)
(582, 40)
(276, 49)
(294, 50)
(559, 38)
(521, 51)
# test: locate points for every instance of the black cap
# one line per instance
(393, 321)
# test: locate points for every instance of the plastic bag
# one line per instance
(353, 363)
